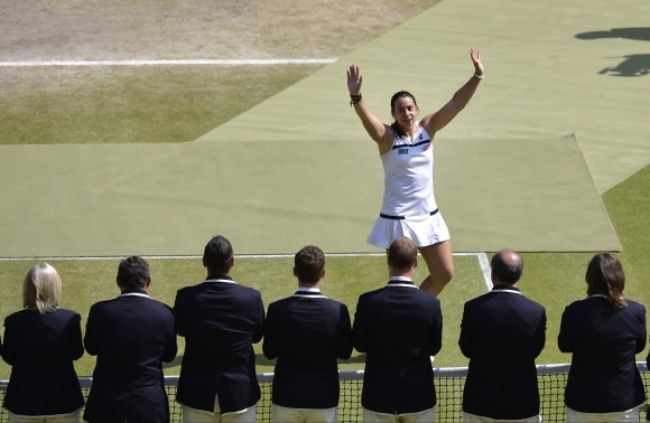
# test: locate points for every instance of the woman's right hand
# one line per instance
(354, 80)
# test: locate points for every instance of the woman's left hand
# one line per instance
(476, 60)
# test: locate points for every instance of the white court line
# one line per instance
(486, 269)
(171, 62)
(481, 257)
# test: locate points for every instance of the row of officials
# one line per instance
(398, 327)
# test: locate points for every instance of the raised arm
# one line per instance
(378, 131)
(438, 120)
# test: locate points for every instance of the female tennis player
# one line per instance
(409, 207)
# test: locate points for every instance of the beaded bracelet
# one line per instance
(355, 98)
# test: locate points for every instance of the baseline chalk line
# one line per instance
(170, 62)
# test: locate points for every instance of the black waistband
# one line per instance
(387, 216)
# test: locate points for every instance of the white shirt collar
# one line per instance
(406, 282)
(401, 278)
(135, 294)
(506, 288)
(305, 289)
(510, 291)
(308, 293)
(220, 280)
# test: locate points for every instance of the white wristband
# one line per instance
(477, 76)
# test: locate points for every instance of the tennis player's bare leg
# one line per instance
(440, 264)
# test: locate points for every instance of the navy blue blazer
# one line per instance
(603, 376)
(220, 321)
(398, 327)
(502, 332)
(307, 332)
(41, 348)
(131, 336)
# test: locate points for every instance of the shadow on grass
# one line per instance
(632, 64)
(634, 33)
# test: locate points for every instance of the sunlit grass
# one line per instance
(131, 104)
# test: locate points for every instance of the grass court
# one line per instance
(550, 157)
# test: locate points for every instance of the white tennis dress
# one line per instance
(409, 207)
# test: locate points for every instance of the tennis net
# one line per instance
(449, 388)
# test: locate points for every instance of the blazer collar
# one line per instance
(506, 288)
(308, 293)
(134, 293)
(401, 281)
(219, 278)
(598, 296)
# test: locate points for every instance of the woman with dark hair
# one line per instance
(40, 343)
(604, 332)
(409, 207)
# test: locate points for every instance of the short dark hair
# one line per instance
(605, 276)
(507, 266)
(309, 263)
(217, 255)
(402, 254)
(133, 273)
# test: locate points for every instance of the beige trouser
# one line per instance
(194, 415)
(53, 418)
(424, 416)
(280, 414)
(631, 415)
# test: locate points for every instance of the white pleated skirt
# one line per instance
(422, 230)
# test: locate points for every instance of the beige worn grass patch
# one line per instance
(175, 104)
(118, 29)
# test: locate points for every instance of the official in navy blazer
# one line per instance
(41, 342)
(307, 333)
(131, 336)
(220, 321)
(399, 327)
(502, 332)
(604, 332)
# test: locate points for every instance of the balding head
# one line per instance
(507, 267)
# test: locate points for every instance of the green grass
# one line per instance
(553, 279)
(88, 281)
(126, 104)
(178, 104)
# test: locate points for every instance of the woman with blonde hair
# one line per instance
(40, 343)
(604, 332)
